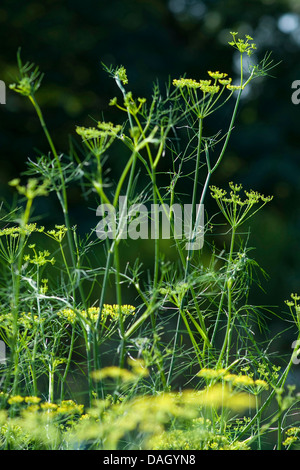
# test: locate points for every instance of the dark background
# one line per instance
(162, 39)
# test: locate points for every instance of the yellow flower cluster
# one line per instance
(15, 400)
(243, 45)
(114, 372)
(186, 82)
(108, 422)
(198, 439)
(211, 89)
(225, 82)
(33, 188)
(253, 197)
(103, 129)
(292, 435)
(131, 105)
(206, 86)
(39, 258)
(99, 139)
(121, 74)
(65, 407)
(23, 87)
(212, 373)
(57, 234)
(294, 302)
(153, 414)
(25, 320)
(16, 231)
(108, 311)
(29, 81)
(217, 75)
(138, 370)
(69, 407)
(238, 380)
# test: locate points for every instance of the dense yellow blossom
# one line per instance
(111, 312)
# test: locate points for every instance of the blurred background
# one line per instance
(161, 39)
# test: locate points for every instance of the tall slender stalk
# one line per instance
(16, 297)
(227, 288)
(64, 199)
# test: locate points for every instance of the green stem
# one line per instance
(197, 167)
(119, 302)
(229, 282)
(68, 364)
(258, 423)
(229, 132)
(279, 429)
(51, 383)
(156, 229)
(16, 288)
(131, 163)
(64, 200)
(88, 345)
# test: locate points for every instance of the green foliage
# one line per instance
(180, 359)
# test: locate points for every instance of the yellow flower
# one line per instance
(243, 45)
(186, 82)
(70, 407)
(121, 74)
(108, 311)
(104, 129)
(15, 400)
(88, 132)
(211, 89)
(289, 440)
(30, 409)
(39, 258)
(217, 75)
(234, 87)
(230, 377)
(261, 384)
(211, 373)
(33, 188)
(32, 400)
(205, 82)
(49, 406)
(138, 367)
(16, 231)
(114, 372)
(221, 396)
(57, 234)
(225, 82)
(293, 431)
(243, 380)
